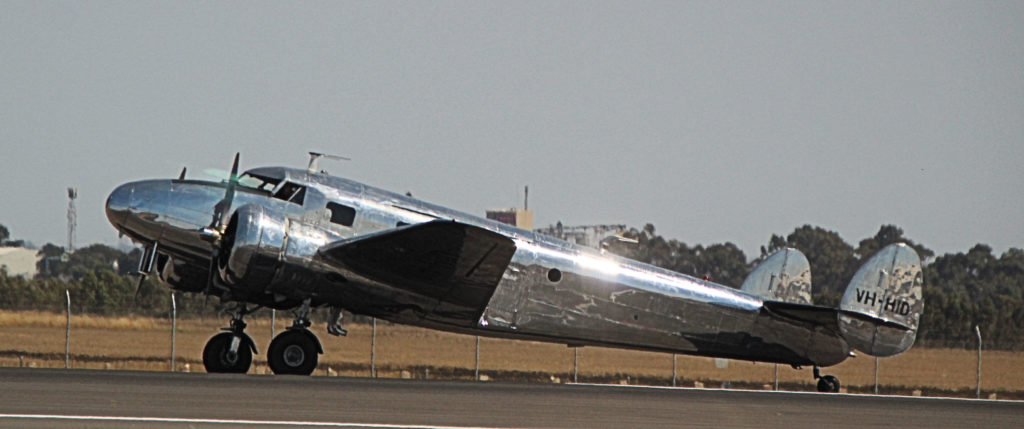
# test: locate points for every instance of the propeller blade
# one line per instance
(138, 286)
(216, 228)
(211, 270)
(138, 291)
(229, 195)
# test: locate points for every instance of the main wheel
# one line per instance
(293, 352)
(218, 359)
(828, 384)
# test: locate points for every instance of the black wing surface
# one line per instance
(458, 265)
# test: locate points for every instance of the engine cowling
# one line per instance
(265, 252)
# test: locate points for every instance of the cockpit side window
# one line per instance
(342, 214)
(291, 193)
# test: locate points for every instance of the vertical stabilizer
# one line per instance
(785, 276)
(882, 306)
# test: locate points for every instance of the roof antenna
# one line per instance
(314, 160)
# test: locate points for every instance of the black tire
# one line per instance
(293, 352)
(828, 384)
(217, 360)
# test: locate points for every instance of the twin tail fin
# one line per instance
(880, 309)
(882, 306)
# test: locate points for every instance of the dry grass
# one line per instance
(144, 343)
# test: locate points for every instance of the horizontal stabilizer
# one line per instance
(881, 308)
(817, 315)
(459, 265)
(785, 276)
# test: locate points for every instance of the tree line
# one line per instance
(961, 290)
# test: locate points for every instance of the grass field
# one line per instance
(37, 339)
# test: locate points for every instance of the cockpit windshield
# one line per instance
(258, 182)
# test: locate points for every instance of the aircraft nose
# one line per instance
(118, 204)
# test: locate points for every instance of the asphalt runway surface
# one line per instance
(122, 399)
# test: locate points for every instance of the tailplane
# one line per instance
(882, 306)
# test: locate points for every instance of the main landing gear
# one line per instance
(826, 383)
(295, 351)
(231, 351)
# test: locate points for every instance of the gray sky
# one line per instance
(715, 121)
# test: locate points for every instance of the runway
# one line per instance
(93, 398)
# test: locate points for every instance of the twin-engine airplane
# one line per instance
(287, 238)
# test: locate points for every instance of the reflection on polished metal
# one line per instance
(882, 306)
(295, 236)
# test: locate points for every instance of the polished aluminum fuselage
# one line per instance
(595, 299)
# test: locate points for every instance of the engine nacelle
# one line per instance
(265, 252)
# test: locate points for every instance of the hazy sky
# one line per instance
(715, 121)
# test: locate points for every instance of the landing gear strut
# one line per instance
(295, 351)
(826, 383)
(231, 351)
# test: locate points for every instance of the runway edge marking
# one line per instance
(797, 392)
(234, 422)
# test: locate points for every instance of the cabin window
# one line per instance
(554, 275)
(291, 193)
(342, 214)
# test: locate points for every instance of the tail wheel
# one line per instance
(828, 384)
(218, 358)
(293, 352)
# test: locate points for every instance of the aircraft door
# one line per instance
(314, 208)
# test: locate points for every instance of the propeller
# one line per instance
(215, 232)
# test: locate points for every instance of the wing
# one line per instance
(456, 264)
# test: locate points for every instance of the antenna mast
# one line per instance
(72, 218)
(314, 160)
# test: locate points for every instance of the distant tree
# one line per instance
(830, 257)
(4, 235)
(889, 234)
(775, 243)
(49, 264)
(724, 263)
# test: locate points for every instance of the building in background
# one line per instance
(19, 261)
(515, 217)
(595, 236)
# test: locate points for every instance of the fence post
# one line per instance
(273, 319)
(674, 356)
(174, 326)
(476, 372)
(876, 375)
(67, 332)
(373, 349)
(978, 332)
(575, 364)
